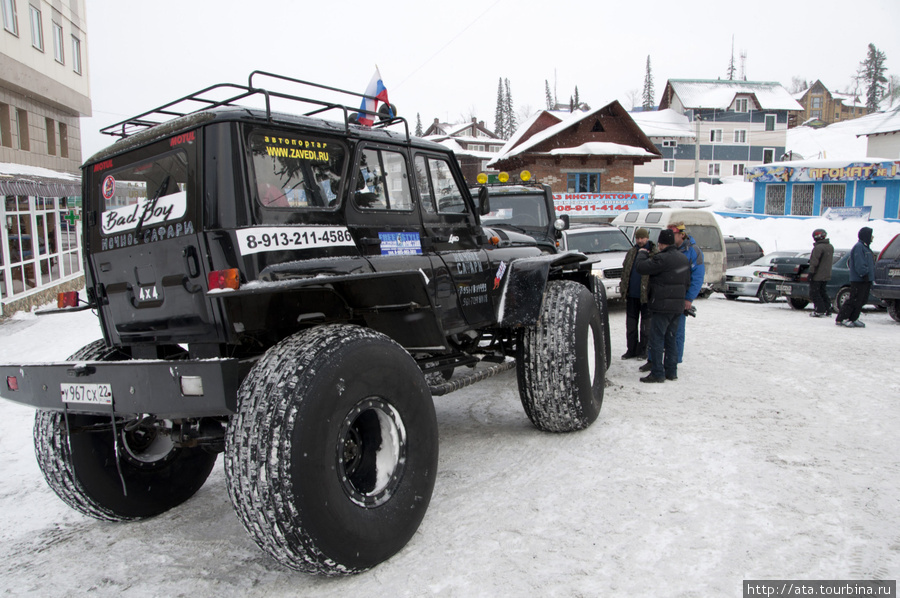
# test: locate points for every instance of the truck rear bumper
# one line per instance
(167, 389)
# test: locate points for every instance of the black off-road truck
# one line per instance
(293, 291)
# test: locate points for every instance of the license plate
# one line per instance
(92, 394)
(894, 272)
(784, 288)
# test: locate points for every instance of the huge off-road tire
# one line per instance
(331, 459)
(560, 362)
(87, 469)
(599, 292)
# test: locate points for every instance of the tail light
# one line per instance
(224, 279)
(12, 383)
(67, 299)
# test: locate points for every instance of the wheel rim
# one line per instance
(371, 452)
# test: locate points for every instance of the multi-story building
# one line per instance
(822, 107)
(735, 125)
(44, 90)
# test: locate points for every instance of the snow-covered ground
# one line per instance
(773, 456)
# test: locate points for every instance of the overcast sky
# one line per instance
(444, 60)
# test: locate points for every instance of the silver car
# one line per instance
(745, 281)
(606, 247)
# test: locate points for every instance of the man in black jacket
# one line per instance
(820, 273)
(670, 275)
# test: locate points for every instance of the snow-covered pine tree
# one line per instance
(873, 72)
(648, 94)
(510, 114)
(549, 96)
(500, 113)
(419, 130)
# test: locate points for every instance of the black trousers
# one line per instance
(637, 315)
(859, 295)
(819, 296)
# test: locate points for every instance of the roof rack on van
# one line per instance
(212, 97)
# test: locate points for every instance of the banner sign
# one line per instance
(599, 204)
(849, 213)
(853, 171)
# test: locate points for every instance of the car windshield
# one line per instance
(599, 241)
(517, 209)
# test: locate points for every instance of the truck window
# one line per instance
(382, 182)
(296, 171)
(144, 193)
(438, 187)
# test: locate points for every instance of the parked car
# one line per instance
(606, 245)
(745, 281)
(787, 277)
(887, 277)
(740, 251)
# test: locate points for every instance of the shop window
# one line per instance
(802, 200)
(775, 200)
(833, 195)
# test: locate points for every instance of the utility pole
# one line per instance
(697, 159)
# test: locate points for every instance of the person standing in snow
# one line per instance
(634, 288)
(669, 276)
(820, 273)
(862, 273)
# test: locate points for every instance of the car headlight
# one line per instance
(742, 279)
(597, 272)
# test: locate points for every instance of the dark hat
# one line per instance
(865, 234)
(642, 233)
(666, 237)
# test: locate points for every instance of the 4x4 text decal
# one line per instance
(282, 238)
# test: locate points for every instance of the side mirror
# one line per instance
(484, 201)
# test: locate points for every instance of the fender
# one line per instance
(520, 304)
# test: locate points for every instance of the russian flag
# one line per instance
(376, 89)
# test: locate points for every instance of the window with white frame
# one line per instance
(714, 169)
(58, 52)
(669, 143)
(817, 101)
(770, 122)
(738, 169)
(768, 155)
(668, 165)
(802, 199)
(742, 105)
(740, 135)
(583, 182)
(10, 22)
(37, 29)
(715, 135)
(476, 147)
(775, 200)
(76, 54)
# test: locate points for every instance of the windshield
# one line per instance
(599, 241)
(523, 210)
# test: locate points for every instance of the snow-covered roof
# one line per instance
(881, 122)
(663, 123)
(602, 148)
(699, 93)
(511, 150)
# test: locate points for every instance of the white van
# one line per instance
(699, 224)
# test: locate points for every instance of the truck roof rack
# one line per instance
(229, 94)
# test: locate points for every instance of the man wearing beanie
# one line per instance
(862, 273)
(669, 274)
(634, 288)
(820, 273)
